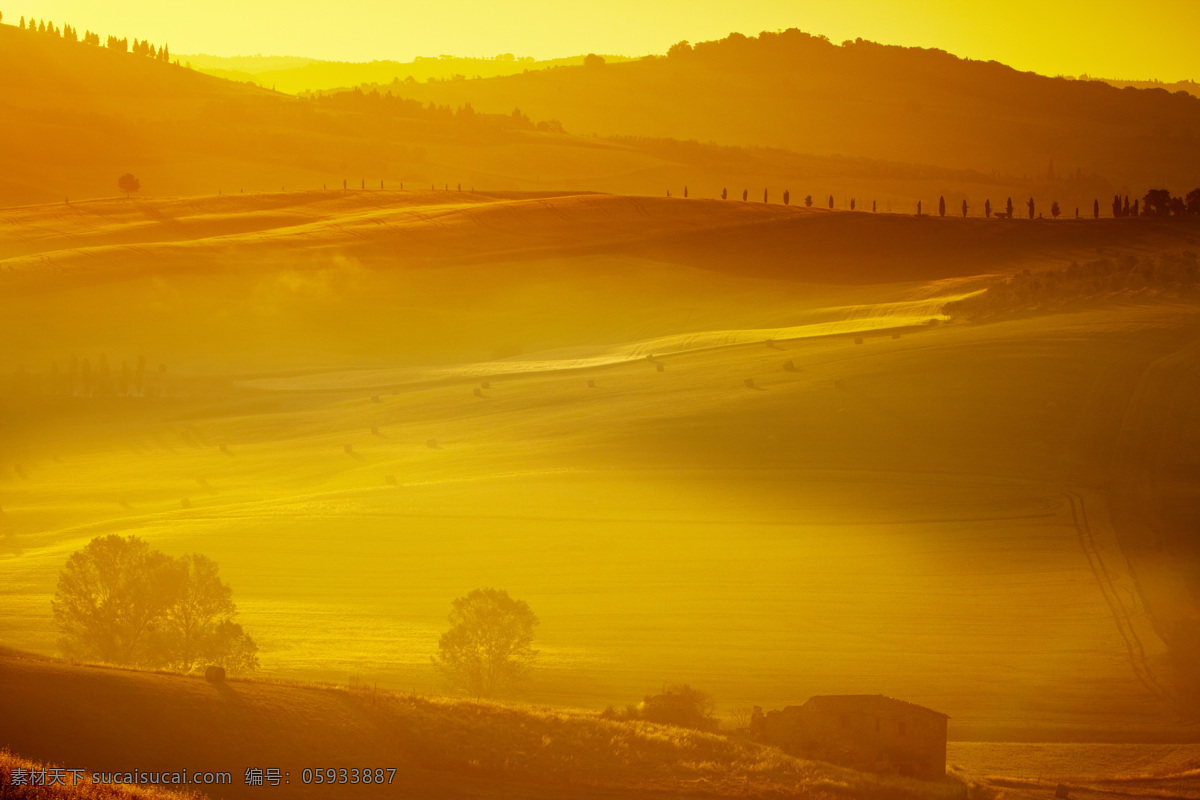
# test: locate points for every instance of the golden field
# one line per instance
(777, 512)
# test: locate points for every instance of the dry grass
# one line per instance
(85, 790)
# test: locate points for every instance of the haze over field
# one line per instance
(376, 352)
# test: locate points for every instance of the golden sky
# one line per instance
(1109, 38)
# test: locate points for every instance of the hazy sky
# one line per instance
(1108, 38)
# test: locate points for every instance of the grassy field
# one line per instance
(778, 511)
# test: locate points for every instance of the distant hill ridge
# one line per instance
(296, 75)
(803, 93)
(779, 112)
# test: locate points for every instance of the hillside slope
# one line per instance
(105, 719)
(88, 114)
(85, 115)
(105, 240)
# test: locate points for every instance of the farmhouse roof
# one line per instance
(858, 702)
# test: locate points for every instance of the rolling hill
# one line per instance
(803, 93)
(89, 114)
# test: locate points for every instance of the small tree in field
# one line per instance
(1055, 210)
(942, 206)
(682, 706)
(128, 184)
(488, 648)
(808, 201)
(987, 208)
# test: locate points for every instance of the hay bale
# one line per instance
(895, 335)
(789, 366)
(185, 503)
(591, 384)
(662, 367)
(349, 448)
(374, 430)
(214, 674)
(750, 383)
(375, 399)
(477, 392)
(485, 385)
(225, 448)
(1062, 792)
(858, 340)
(390, 480)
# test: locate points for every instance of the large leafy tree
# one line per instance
(488, 648)
(111, 597)
(1157, 203)
(121, 602)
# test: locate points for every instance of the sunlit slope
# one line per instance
(116, 239)
(743, 498)
(868, 100)
(432, 747)
(325, 279)
(927, 530)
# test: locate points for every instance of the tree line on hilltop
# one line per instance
(1155, 203)
(71, 34)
